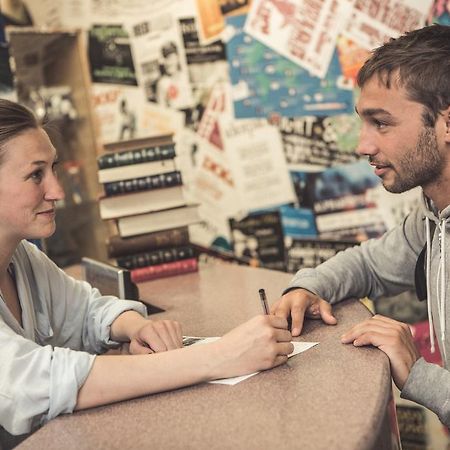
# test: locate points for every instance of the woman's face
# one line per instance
(28, 187)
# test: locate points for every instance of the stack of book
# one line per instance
(143, 197)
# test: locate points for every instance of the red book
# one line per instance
(421, 336)
(164, 270)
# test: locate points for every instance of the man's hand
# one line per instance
(299, 303)
(156, 336)
(393, 338)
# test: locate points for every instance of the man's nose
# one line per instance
(366, 143)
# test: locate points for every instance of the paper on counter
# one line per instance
(299, 347)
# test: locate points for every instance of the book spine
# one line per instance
(118, 159)
(164, 270)
(118, 246)
(143, 183)
(154, 258)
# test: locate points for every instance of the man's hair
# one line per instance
(418, 61)
(14, 120)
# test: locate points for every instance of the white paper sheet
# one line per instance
(299, 347)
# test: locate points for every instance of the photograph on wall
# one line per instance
(207, 66)
(160, 60)
(265, 83)
(110, 55)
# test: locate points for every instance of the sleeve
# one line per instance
(378, 267)
(37, 383)
(80, 317)
(429, 385)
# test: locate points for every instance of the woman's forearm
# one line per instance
(120, 377)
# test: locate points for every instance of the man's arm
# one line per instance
(378, 267)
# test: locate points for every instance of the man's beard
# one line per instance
(420, 166)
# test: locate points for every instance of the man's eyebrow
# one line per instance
(370, 112)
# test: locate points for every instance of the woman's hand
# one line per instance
(261, 343)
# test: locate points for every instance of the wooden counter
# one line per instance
(332, 396)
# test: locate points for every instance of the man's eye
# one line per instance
(379, 124)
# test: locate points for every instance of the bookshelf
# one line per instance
(48, 61)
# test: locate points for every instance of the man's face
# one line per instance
(28, 187)
(403, 151)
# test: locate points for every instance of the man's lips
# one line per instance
(380, 168)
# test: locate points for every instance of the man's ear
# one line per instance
(447, 125)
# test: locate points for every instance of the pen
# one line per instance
(263, 298)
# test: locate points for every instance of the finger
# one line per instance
(370, 328)
(298, 317)
(388, 321)
(167, 333)
(280, 309)
(274, 307)
(179, 334)
(283, 336)
(137, 348)
(150, 336)
(285, 348)
(373, 338)
(280, 359)
(362, 327)
(276, 321)
(325, 310)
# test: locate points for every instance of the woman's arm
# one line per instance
(261, 343)
(145, 335)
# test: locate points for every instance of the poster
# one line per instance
(264, 83)
(110, 55)
(258, 168)
(303, 31)
(373, 22)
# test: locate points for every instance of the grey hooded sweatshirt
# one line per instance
(386, 267)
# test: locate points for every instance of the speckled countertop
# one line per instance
(332, 396)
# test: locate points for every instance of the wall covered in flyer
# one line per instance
(260, 98)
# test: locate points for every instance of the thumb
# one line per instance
(326, 313)
(139, 348)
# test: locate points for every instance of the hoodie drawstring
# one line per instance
(440, 283)
(428, 271)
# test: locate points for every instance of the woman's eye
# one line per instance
(37, 175)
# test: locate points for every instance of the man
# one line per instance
(405, 111)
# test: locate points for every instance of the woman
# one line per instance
(52, 327)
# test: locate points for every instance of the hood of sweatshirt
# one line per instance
(436, 236)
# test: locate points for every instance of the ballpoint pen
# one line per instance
(263, 298)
